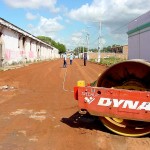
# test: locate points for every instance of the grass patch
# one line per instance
(109, 61)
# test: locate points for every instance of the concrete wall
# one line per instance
(18, 46)
(16, 51)
(123, 55)
(55, 53)
(11, 51)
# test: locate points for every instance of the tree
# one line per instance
(80, 49)
(94, 50)
(48, 40)
(61, 48)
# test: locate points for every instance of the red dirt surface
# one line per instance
(38, 111)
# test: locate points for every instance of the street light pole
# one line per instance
(86, 41)
(99, 41)
(87, 38)
(83, 50)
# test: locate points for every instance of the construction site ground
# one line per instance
(38, 110)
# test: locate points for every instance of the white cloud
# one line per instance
(30, 16)
(77, 40)
(33, 4)
(114, 13)
(47, 27)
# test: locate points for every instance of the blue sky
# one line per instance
(71, 21)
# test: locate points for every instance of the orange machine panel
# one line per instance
(118, 103)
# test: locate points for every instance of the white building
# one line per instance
(139, 38)
(17, 45)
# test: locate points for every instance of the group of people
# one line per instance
(71, 59)
(65, 60)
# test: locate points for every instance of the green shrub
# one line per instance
(109, 61)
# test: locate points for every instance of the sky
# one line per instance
(92, 23)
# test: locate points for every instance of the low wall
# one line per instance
(107, 55)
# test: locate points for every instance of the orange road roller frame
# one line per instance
(120, 97)
(116, 103)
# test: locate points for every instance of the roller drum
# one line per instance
(131, 75)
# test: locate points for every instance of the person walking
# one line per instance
(85, 58)
(65, 60)
(71, 59)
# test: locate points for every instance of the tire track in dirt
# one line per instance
(40, 96)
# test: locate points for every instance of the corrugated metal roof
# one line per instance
(19, 30)
(143, 19)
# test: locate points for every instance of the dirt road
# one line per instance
(38, 111)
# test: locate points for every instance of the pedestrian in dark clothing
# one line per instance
(85, 58)
(71, 59)
(65, 61)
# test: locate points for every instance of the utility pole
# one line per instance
(83, 50)
(99, 41)
(78, 51)
(87, 39)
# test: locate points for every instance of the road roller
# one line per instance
(120, 98)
